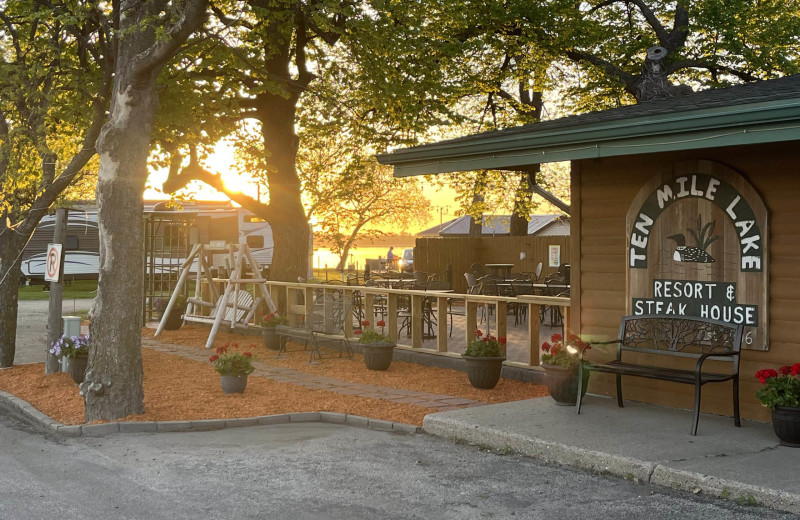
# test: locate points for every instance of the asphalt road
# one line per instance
(311, 471)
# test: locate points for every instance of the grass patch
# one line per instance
(78, 289)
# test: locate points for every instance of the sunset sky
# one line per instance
(442, 200)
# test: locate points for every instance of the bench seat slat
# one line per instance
(655, 372)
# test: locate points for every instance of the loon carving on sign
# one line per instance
(698, 253)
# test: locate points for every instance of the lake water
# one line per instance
(357, 257)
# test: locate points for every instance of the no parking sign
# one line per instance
(52, 266)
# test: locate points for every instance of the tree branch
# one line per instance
(156, 56)
(610, 69)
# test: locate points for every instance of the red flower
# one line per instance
(784, 371)
(357, 332)
(213, 358)
(478, 333)
(248, 354)
(555, 338)
(554, 350)
(796, 369)
(365, 323)
(222, 349)
(381, 323)
(502, 340)
(763, 375)
(545, 347)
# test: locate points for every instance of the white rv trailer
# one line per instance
(82, 258)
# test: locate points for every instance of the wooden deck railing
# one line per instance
(300, 298)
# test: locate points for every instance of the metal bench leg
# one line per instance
(736, 419)
(580, 388)
(697, 390)
(619, 390)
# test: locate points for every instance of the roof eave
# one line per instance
(706, 128)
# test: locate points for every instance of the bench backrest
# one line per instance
(680, 336)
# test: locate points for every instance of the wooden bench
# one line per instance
(674, 336)
(324, 325)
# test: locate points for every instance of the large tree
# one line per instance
(148, 34)
(358, 56)
(55, 82)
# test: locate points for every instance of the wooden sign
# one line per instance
(697, 246)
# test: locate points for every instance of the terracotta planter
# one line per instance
(562, 383)
(377, 356)
(233, 384)
(77, 368)
(786, 423)
(484, 372)
(271, 339)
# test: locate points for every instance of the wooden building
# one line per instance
(688, 205)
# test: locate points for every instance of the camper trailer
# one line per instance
(207, 223)
(81, 247)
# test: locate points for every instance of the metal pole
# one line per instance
(54, 320)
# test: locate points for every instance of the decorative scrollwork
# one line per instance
(679, 335)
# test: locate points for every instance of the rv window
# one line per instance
(253, 219)
(255, 240)
(71, 243)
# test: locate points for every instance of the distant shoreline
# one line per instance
(398, 241)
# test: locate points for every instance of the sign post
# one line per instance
(53, 272)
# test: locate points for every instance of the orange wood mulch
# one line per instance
(181, 389)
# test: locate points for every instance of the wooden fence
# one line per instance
(432, 255)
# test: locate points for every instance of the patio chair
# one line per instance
(323, 326)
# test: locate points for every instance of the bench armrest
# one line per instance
(698, 368)
(591, 344)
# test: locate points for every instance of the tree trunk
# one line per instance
(287, 215)
(11, 246)
(518, 227)
(113, 384)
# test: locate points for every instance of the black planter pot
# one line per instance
(174, 319)
(271, 339)
(484, 372)
(77, 368)
(562, 383)
(377, 356)
(233, 384)
(786, 423)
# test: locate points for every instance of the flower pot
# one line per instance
(174, 319)
(562, 383)
(786, 423)
(233, 384)
(77, 368)
(271, 339)
(377, 356)
(484, 372)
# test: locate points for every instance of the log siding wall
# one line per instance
(602, 192)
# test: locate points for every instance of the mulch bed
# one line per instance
(181, 389)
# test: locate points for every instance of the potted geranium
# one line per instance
(76, 350)
(233, 367)
(175, 318)
(484, 358)
(560, 360)
(377, 348)
(268, 323)
(781, 394)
